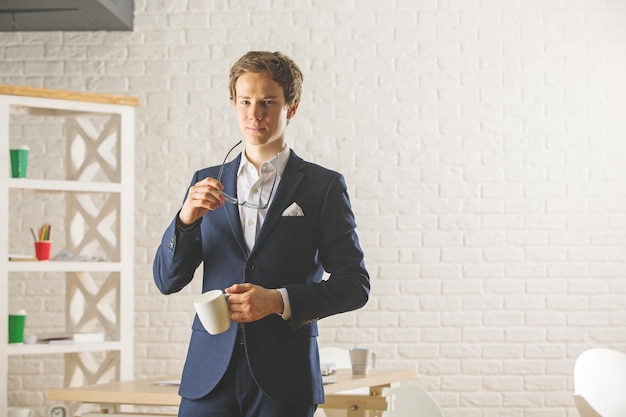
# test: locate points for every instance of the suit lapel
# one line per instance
(291, 178)
(229, 181)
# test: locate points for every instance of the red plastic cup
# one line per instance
(42, 250)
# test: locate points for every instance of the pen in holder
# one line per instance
(42, 243)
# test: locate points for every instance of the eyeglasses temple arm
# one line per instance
(219, 175)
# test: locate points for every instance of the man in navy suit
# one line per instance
(265, 226)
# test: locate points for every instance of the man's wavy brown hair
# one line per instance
(277, 66)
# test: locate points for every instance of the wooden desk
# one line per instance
(146, 392)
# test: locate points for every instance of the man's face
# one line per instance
(261, 110)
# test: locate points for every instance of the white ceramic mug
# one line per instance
(19, 412)
(213, 311)
(362, 359)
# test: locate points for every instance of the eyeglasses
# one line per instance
(233, 200)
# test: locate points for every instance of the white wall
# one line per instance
(483, 142)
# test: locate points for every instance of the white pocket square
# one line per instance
(293, 210)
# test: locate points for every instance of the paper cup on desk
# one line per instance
(362, 359)
(19, 162)
(42, 250)
(17, 323)
(212, 310)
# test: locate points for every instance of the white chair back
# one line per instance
(600, 383)
(338, 356)
(410, 400)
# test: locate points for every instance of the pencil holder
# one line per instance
(42, 250)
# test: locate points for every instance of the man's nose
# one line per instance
(256, 112)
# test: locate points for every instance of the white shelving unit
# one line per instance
(97, 194)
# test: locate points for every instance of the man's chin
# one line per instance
(257, 139)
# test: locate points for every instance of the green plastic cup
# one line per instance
(17, 322)
(19, 162)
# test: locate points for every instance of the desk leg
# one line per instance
(359, 405)
(357, 409)
(377, 391)
(368, 407)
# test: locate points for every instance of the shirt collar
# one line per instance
(279, 162)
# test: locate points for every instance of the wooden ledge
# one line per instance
(14, 90)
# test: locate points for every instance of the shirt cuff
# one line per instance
(286, 305)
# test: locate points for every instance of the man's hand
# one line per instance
(249, 302)
(202, 197)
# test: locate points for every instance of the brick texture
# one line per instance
(484, 147)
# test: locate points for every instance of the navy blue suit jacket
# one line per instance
(290, 252)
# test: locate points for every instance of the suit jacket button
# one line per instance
(250, 267)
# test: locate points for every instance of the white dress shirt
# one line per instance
(255, 187)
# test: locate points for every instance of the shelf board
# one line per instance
(46, 349)
(60, 266)
(59, 185)
(80, 96)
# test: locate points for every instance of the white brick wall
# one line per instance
(484, 144)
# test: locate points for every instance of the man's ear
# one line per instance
(291, 111)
